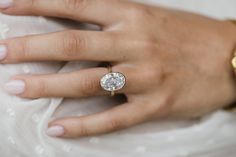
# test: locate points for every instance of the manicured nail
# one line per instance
(3, 52)
(55, 131)
(5, 4)
(15, 87)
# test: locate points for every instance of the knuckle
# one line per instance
(88, 87)
(157, 75)
(149, 46)
(71, 44)
(163, 108)
(74, 4)
(31, 3)
(22, 46)
(115, 124)
(138, 13)
(82, 130)
(39, 89)
(165, 100)
(166, 104)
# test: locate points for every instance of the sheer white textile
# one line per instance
(23, 122)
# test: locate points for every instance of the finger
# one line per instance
(120, 117)
(75, 84)
(65, 46)
(92, 11)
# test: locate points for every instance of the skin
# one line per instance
(177, 64)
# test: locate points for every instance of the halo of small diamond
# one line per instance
(113, 81)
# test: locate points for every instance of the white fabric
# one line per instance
(23, 122)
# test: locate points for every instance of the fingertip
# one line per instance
(71, 127)
(5, 4)
(55, 131)
(58, 128)
(15, 87)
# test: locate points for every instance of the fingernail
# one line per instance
(15, 87)
(5, 4)
(55, 131)
(3, 52)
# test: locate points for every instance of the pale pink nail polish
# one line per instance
(5, 4)
(15, 87)
(55, 131)
(3, 52)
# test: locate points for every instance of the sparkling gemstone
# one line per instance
(113, 81)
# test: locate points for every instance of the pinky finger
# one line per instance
(117, 118)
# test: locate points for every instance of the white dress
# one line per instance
(23, 122)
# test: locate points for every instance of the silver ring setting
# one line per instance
(113, 81)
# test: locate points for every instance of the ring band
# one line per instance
(113, 81)
(110, 71)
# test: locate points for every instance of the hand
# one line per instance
(176, 63)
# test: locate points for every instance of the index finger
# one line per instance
(102, 12)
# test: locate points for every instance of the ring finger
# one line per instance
(75, 84)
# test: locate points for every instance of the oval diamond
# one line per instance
(113, 81)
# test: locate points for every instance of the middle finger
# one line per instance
(65, 46)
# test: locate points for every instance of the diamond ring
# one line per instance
(112, 81)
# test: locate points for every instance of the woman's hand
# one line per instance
(176, 63)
